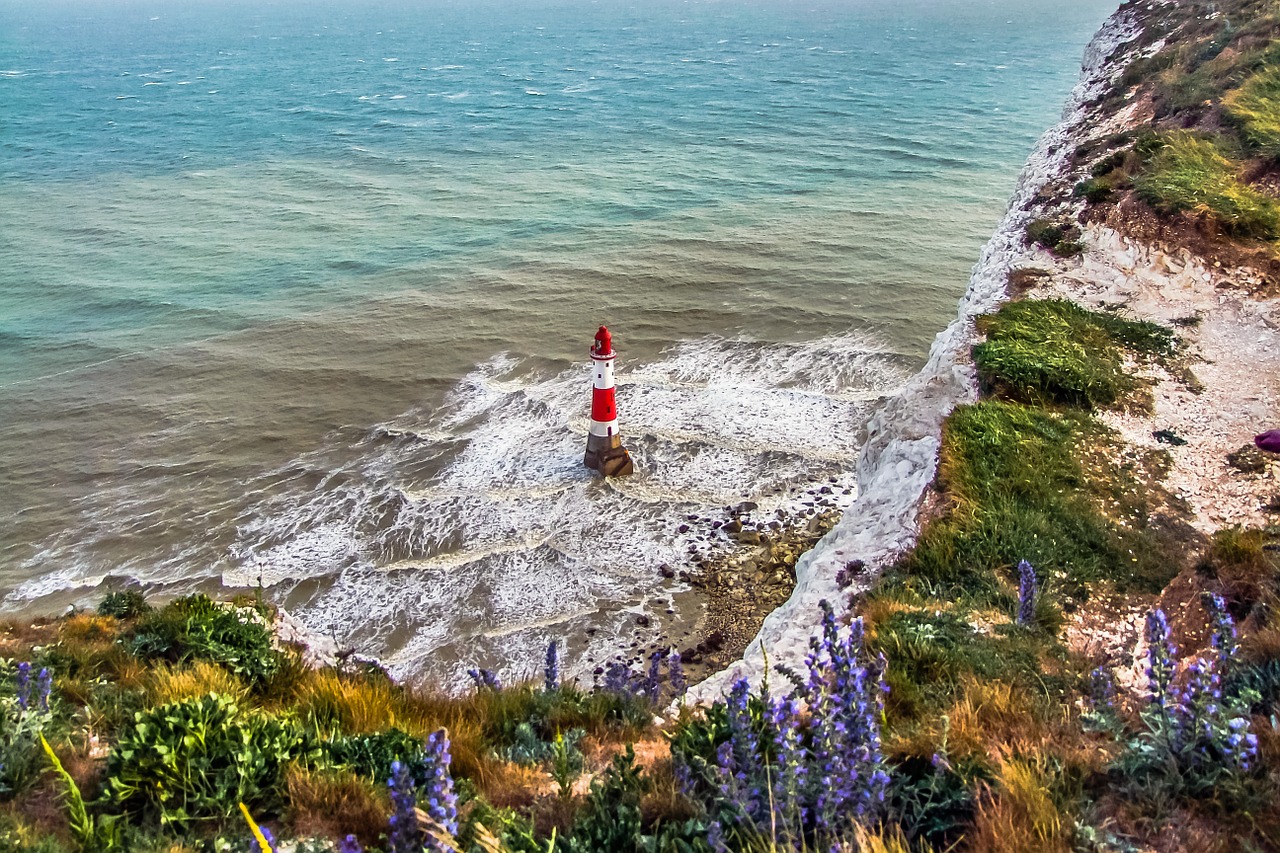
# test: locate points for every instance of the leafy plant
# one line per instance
(194, 761)
(96, 833)
(197, 628)
(566, 764)
(372, 755)
(23, 717)
(126, 604)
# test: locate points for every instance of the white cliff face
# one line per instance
(899, 458)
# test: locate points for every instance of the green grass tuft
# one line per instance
(1055, 352)
(1190, 173)
(1255, 108)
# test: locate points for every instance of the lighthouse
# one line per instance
(605, 452)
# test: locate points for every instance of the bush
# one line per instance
(1094, 190)
(1062, 240)
(1190, 173)
(196, 760)
(371, 755)
(128, 604)
(198, 628)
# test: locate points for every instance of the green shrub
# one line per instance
(1052, 351)
(128, 604)
(198, 628)
(371, 755)
(1190, 173)
(1094, 190)
(197, 760)
(1060, 239)
(934, 801)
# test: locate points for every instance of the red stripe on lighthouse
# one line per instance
(603, 408)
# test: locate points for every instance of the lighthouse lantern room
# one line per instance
(605, 452)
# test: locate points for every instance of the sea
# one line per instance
(296, 297)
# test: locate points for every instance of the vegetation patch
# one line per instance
(1053, 351)
(1063, 239)
(1255, 107)
(1192, 174)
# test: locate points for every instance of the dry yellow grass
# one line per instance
(1017, 814)
(167, 684)
(359, 705)
(334, 803)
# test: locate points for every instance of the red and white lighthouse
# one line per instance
(605, 452)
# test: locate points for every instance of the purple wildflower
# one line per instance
(1223, 638)
(744, 753)
(44, 686)
(406, 835)
(551, 672)
(1102, 691)
(22, 685)
(788, 767)
(617, 678)
(442, 802)
(653, 681)
(256, 847)
(1028, 589)
(675, 675)
(1162, 658)
(350, 845)
(1241, 746)
(484, 679)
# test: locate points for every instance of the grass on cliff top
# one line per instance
(1023, 483)
(1053, 352)
(1191, 173)
(1255, 108)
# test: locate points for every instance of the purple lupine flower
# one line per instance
(1223, 638)
(406, 834)
(484, 679)
(255, 847)
(350, 845)
(617, 678)
(22, 685)
(788, 767)
(1028, 588)
(551, 672)
(684, 776)
(744, 748)
(652, 686)
(715, 838)
(1162, 658)
(675, 675)
(44, 686)
(1102, 691)
(1241, 747)
(442, 802)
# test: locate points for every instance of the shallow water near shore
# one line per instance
(302, 294)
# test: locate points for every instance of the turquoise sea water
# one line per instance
(302, 292)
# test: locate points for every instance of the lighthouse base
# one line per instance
(608, 456)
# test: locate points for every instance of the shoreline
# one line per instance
(898, 460)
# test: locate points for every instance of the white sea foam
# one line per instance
(481, 515)
(899, 457)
